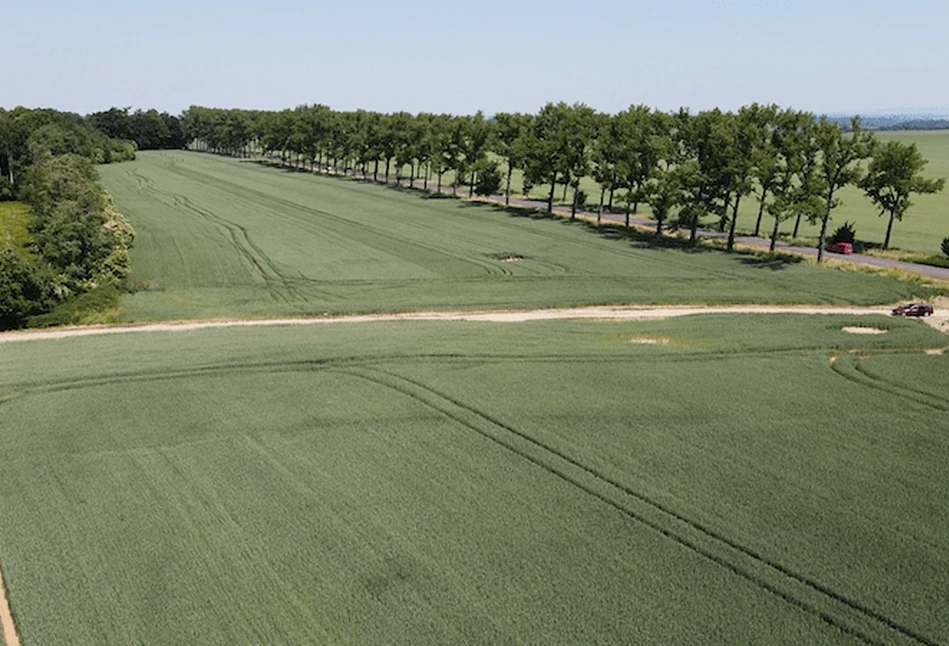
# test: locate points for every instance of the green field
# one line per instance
(738, 479)
(218, 237)
(489, 483)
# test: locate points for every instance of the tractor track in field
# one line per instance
(848, 615)
(10, 636)
(940, 320)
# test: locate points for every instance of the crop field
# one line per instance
(218, 237)
(717, 478)
(765, 479)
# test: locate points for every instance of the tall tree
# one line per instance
(704, 143)
(510, 143)
(579, 140)
(793, 189)
(893, 175)
(750, 137)
(838, 166)
(476, 134)
(638, 152)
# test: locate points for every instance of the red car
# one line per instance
(913, 309)
(841, 247)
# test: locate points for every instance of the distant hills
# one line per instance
(904, 121)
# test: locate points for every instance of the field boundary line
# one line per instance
(599, 312)
(10, 636)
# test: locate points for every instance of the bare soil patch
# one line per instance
(852, 329)
(648, 341)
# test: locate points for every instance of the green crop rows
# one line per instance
(218, 237)
(461, 482)
(720, 478)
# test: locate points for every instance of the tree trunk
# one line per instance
(731, 228)
(774, 234)
(387, 171)
(565, 185)
(797, 225)
(440, 181)
(627, 214)
(507, 191)
(573, 206)
(398, 174)
(471, 183)
(599, 212)
(693, 229)
(550, 198)
(611, 198)
(889, 228)
(764, 194)
(723, 216)
(659, 221)
(425, 181)
(823, 227)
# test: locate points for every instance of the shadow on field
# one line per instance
(774, 263)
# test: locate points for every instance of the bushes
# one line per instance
(945, 246)
(80, 243)
(844, 233)
(26, 289)
(76, 230)
(488, 181)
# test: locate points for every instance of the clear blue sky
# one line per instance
(458, 57)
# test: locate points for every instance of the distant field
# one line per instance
(219, 237)
(494, 483)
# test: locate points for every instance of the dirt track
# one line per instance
(612, 313)
(10, 637)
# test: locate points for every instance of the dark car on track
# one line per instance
(841, 247)
(913, 309)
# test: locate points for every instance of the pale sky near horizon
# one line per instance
(459, 57)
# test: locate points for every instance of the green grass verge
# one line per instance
(14, 227)
(218, 237)
(459, 482)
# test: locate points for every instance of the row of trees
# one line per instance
(688, 168)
